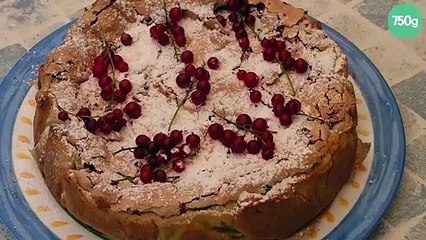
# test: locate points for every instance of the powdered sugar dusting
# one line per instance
(213, 176)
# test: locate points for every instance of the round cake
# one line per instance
(195, 119)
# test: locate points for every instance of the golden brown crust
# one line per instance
(277, 217)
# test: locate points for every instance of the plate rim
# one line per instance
(8, 81)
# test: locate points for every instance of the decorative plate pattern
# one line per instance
(30, 211)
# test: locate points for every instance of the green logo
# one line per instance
(405, 21)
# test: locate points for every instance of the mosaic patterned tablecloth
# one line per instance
(402, 62)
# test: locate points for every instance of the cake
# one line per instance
(195, 119)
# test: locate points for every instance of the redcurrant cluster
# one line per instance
(263, 139)
(240, 17)
(274, 50)
(162, 151)
(199, 77)
(287, 111)
(162, 33)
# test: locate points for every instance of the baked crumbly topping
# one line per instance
(213, 177)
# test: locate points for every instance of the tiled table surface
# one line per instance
(364, 22)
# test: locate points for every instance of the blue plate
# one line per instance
(386, 171)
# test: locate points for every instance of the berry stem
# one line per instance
(180, 105)
(124, 149)
(289, 80)
(108, 49)
(311, 117)
(125, 178)
(256, 34)
(238, 126)
(176, 50)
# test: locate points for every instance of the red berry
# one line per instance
(215, 131)
(267, 153)
(119, 124)
(204, 86)
(237, 26)
(168, 144)
(180, 40)
(266, 43)
(270, 144)
(159, 176)
(228, 137)
(123, 67)
(289, 63)
(201, 74)
(133, 110)
(245, 10)
(117, 59)
(84, 112)
(233, 17)
(183, 80)
(100, 70)
(285, 119)
(105, 81)
(118, 114)
(107, 89)
(266, 136)
(177, 31)
(187, 57)
(241, 33)
(301, 66)
(126, 39)
(233, 5)
(146, 176)
(175, 14)
(164, 39)
(250, 20)
(244, 43)
(125, 85)
(152, 148)
(241, 74)
(101, 59)
(260, 125)
(213, 63)
(239, 145)
(106, 128)
(176, 136)
(255, 96)
(279, 110)
(177, 153)
(198, 97)
(139, 153)
(159, 138)
(63, 116)
(178, 166)
(190, 70)
(293, 106)
(119, 96)
(269, 54)
(243, 120)
(105, 97)
(157, 30)
(221, 20)
(91, 125)
(284, 55)
(279, 45)
(109, 117)
(254, 147)
(277, 99)
(193, 140)
(154, 161)
(142, 140)
(251, 80)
